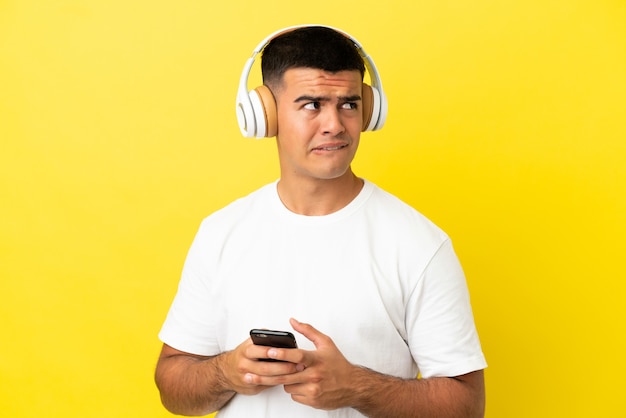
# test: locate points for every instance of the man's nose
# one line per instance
(332, 123)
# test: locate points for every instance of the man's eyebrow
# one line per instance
(306, 98)
(354, 98)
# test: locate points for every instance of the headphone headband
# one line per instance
(256, 117)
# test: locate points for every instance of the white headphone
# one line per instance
(256, 109)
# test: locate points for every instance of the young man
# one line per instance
(379, 284)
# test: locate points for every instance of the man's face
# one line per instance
(319, 123)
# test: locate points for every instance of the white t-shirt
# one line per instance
(377, 277)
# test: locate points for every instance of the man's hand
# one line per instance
(326, 379)
(323, 378)
(238, 367)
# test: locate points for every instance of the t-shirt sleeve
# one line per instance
(188, 326)
(440, 323)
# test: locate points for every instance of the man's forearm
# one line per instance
(192, 386)
(381, 396)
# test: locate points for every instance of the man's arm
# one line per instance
(377, 395)
(329, 381)
(191, 384)
(198, 385)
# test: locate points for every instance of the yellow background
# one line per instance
(507, 127)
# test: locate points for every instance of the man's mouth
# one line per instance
(330, 148)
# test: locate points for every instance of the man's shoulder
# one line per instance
(391, 202)
(259, 199)
(396, 210)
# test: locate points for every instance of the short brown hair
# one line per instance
(309, 47)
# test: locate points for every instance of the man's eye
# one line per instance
(312, 106)
(349, 105)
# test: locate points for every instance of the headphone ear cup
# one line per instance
(267, 112)
(258, 115)
(245, 116)
(370, 102)
(367, 106)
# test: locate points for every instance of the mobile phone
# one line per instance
(271, 338)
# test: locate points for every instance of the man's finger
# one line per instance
(312, 334)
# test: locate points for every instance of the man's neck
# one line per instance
(319, 197)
